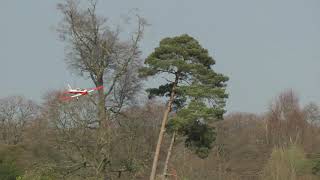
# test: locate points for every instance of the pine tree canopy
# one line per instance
(199, 91)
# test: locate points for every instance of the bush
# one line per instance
(286, 163)
(38, 174)
(9, 168)
(8, 171)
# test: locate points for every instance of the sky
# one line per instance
(264, 47)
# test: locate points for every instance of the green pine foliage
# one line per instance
(199, 91)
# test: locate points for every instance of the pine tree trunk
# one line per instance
(168, 157)
(162, 130)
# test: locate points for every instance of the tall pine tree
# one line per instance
(195, 91)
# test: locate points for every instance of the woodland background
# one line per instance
(113, 135)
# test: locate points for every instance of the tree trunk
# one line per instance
(101, 108)
(162, 130)
(102, 114)
(168, 156)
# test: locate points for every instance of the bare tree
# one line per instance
(15, 113)
(285, 119)
(78, 137)
(95, 50)
(92, 151)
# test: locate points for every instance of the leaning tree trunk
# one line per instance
(162, 130)
(168, 156)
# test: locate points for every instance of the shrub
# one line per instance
(286, 163)
(8, 171)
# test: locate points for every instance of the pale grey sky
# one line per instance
(263, 46)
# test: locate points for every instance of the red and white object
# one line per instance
(75, 93)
